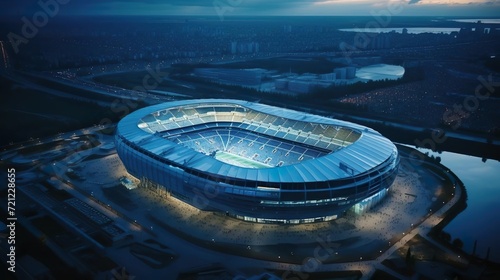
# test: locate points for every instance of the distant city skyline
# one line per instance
(451, 8)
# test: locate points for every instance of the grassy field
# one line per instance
(316, 65)
(127, 80)
(26, 113)
(239, 161)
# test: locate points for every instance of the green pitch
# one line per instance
(239, 161)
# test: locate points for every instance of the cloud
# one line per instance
(255, 7)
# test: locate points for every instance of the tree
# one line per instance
(408, 256)
(457, 242)
(446, 236)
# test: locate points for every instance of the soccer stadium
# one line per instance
(257, 162)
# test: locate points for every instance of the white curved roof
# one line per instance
(369, 151)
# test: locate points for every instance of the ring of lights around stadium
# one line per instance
(257, 162)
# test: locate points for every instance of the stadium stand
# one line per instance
(266, 164)
(247, 133)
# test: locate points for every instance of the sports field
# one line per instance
(239, 161)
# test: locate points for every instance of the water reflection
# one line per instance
(380, 72)
(483, 20)
(412, 30)
(479, 221)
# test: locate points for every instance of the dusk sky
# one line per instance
(474, 8)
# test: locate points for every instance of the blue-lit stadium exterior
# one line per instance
(257, 162)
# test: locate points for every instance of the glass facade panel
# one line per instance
(308, 191)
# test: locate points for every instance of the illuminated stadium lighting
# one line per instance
(257, 162)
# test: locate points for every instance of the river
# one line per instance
(411, 30)
(480, 220)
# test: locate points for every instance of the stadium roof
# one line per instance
(369, 151)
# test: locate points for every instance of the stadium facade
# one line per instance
(257, 162)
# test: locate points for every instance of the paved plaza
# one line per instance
(414, 204)
(407, 204)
